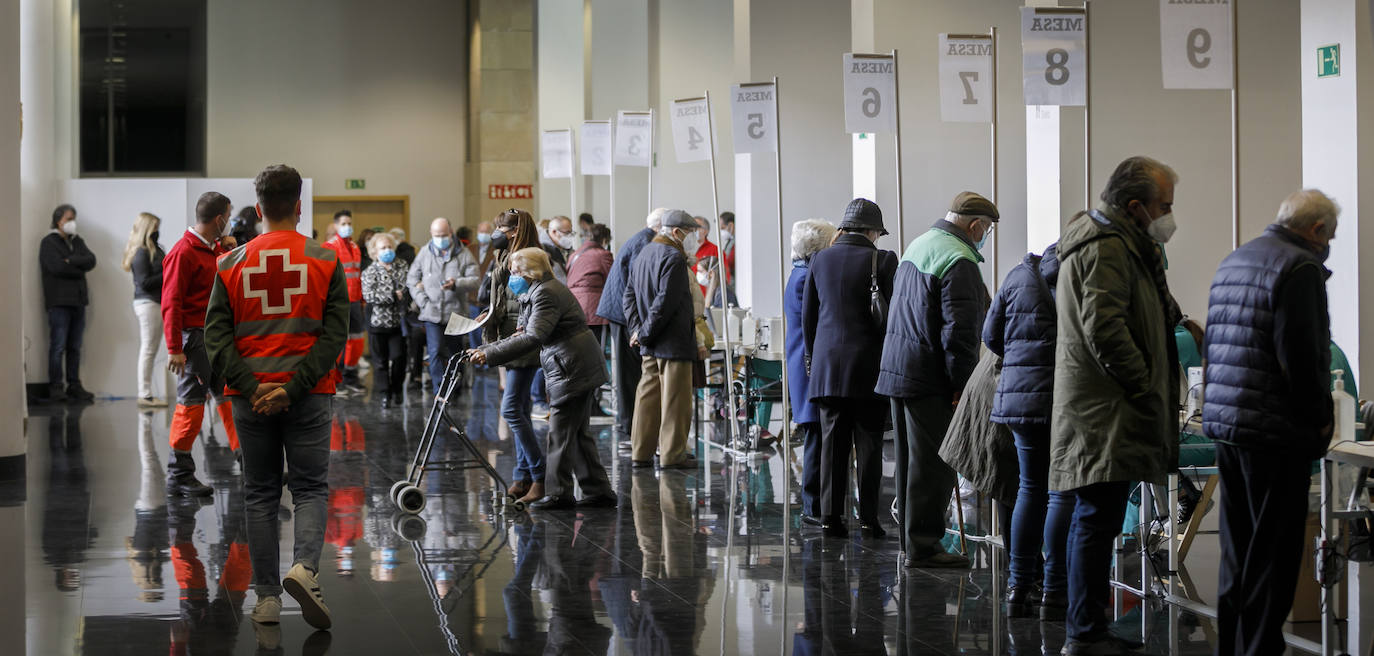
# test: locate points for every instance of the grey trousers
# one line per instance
(924, 481)
(571, 449)
(301, 435)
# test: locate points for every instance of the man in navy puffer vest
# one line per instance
(1268, 406)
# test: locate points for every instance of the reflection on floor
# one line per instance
(691, 562)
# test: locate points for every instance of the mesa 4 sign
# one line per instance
(692, 129)
(1054, 49)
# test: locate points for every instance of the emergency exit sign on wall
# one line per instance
(1329, 60)
(355, 183)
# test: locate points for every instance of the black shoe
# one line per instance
(56, 394)
(641, 464)
(1053, 607)
(873, 530)
(1020, 602)
(187, 485)
(599, 501)
(78, 394)
(834, 528)
(812, 520)
(553, 503)
(386, 403)
(396, 400)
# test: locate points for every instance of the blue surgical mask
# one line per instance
(387, 255)
(517, 285)
(484, 238)
(442, 243)
(345, 231)
(980, 242)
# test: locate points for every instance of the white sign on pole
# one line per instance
(556, 146)
(596, 148)
(754, 112)
(966, 78)
(1195, 44)
(692, 129)
(1054, 48)
(870, 91)
(634, 136)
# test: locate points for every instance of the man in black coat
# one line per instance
(65, 260)
(930, 351)
(844, 342)
(1268, 406)
(662, 324)
(611, 308)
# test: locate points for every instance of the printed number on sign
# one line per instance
(633, 148)
(968, 78)
(693, 138)
(1058, 71)
(1199, 43)
(872, 102)
(599, 155)
(755, 128)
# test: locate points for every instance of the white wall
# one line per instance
(562, 89)
(11, 334)
(619, 79)
(343, 89)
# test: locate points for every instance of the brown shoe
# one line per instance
(535, 493)
(518, 489)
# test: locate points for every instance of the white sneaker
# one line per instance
(267, 635)
(267, 610)
(303, 585)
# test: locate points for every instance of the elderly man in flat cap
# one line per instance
(844, 340)
(929, 353)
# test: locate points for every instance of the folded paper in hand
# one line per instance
(461, 325)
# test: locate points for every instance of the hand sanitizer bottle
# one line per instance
(1343, 428)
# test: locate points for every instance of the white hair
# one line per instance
(810, 236)
(655, 219)
(374, 243)
(1303, 209)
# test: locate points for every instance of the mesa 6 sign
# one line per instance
(1054, 55)
(870, 93)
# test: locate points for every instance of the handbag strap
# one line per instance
(873, 276)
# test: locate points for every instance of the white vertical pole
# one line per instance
(1087, 115)
(572, 176)
(993, 33)
(783, 269)
(1235, 127)
(611, 182)
(729, 376)
(653, 155)
(897, 107)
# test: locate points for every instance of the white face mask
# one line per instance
(690, 243)
(703, 276)
(1163, 228)
(566, 241)
(69, 228)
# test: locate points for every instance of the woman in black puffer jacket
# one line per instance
(1021, 327)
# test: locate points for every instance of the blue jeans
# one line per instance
(1097, 517)
(301, 433)
(811, 468)
(1040, 518)
(539, 389)
(475, 337)
(439, 347)
(66, 325)
(515, 409)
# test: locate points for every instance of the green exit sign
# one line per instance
(1329, 60)
(355, 183)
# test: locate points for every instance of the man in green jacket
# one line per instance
(1115, 414)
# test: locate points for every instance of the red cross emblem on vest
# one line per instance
(275, 281)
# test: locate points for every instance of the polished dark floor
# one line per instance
(696, 562)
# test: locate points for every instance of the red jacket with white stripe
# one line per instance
(351, 259)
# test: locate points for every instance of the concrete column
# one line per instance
(1337, 117)
(619, 38)
(816, 153)
(12, 407)
(562, 86)
(502, 125)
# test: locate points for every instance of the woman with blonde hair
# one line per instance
(384, 289)
(143, 258)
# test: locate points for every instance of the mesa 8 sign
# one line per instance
(1054, 55)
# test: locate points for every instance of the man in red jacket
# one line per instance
(351, 259)
(188, 273)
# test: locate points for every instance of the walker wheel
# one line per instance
(396, 488)
(518, 505)
(411, 500)
(409, 527)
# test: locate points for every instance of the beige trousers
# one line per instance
(663, 411)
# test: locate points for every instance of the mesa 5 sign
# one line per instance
(502, 191)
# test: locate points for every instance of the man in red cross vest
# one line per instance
(277, 320)
(188, 272)
(351, 259)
